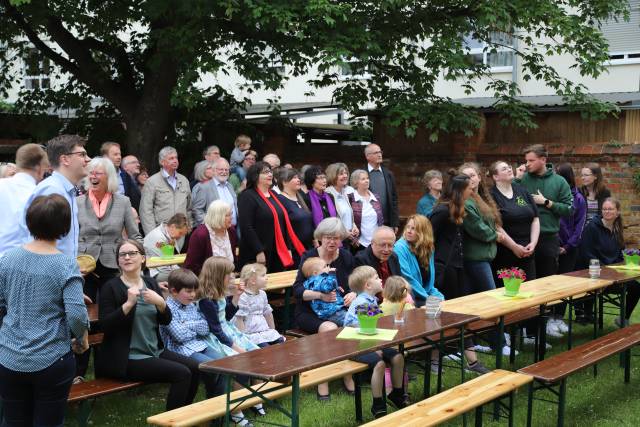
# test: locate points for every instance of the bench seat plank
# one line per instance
(98, 387)
(455, 401)
(209, 409)
(562, 365)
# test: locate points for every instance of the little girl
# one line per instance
(396, 293)
(255, 315)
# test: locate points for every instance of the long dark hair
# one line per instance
(566, 171)
(483, 199)
(598, 185)
(453, 196)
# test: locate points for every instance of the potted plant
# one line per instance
(512, 278)
(166, 248)
(631, 256)
(368, 315)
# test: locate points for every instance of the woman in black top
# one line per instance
(519, 220)
(267, 235)
(299, 214)
(321, 203)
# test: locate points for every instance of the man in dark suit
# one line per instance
(382, 184)
(126, 184)
(129, 170)
(380, 255)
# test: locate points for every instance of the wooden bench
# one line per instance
(201, 413)
(555, 370)
(83, 393)
(459, 400)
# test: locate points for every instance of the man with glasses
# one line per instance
(383, 185)
(218, 188)
(380, 255)
(69, 160)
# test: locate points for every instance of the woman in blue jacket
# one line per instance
(415, 252)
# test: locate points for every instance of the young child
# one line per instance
(255, 315)
(395, 293)
(321, 278)
(365, 282)
(218, 309)
(242, 145)
(188, 333)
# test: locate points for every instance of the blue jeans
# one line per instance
(212, 382)
(478, 277)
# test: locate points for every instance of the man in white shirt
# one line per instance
(31, 163)
(217, 188)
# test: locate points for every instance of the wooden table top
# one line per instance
(545, 290)
(313, 351)
(153, 262)
(281, 280)
(608, 273)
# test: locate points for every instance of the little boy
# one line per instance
(242, 145)
(365, 282)
(321, 278)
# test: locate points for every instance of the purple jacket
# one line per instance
(571, 226)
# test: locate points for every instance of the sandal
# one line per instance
(241, 421)
(258, 410)
(323, 397)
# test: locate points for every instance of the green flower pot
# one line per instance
(632, 259)
(166, 251)
(368, 324)
(512, 286)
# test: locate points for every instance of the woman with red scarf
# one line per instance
(321, 203)
(266, 233)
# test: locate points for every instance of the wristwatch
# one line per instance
(546, 203)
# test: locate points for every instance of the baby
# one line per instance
(321, 278)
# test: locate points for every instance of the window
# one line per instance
(275, 66)
(36, 70)
(624, 37)
(356, 68)
(480, 52)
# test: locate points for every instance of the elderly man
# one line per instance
(31, 164)
(380, 255)
(209, 154)
(165, 194)
(218, 188)
(383, 184)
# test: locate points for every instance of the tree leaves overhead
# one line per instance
(146, 59)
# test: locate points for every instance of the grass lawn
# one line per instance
(601, 401)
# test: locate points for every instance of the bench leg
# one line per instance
(627, 365)
(228, 387)
(570, 333)
(479, 416)
(295, 400)
(358, 396)
(601, 310)
(440, 357)
(542, 349)
(530, 404)
(561, 402)
(511, 409)
(499, 345)
(512, 338)
(287, 309)
(426, 383)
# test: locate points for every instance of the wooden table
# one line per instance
(154, 262)
(283, 361)
(92, 310)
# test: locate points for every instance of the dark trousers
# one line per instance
(546, 255)
(37, 398)
(180, 371)
(450, 281)
(566, 264)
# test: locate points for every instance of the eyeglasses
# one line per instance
(130, 254)
(376, 152)
(586, 174)
(94, 173)
(331, 238)
(80, 153)
(609, 209)
(249, 158)
(267, 172)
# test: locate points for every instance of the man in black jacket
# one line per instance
(380, 255)
(126, 185)
(383, 184)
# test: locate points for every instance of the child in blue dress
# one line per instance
(322, 278)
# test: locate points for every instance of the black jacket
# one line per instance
(366, 257)
(390, 211)
(131, 189)
(113, 353)
(448, 238)
(598, 243)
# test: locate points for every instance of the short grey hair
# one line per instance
(355, 176)
(216, 212)
(200, 168)
(164, 152)
(271, 157)
(382, 229)
(209, 149)
(110, 170)
(330, 227)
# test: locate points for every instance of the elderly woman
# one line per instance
(299, 213)
(131, 311)
(102, 215)
(267, 234)
(330, 233)
(320, 202)
(338, 181)
(211, 238)
(367, 210)
(415, 252)
(204, 172)
(42, 313)
(432, 180)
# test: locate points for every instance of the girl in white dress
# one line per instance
(255, 316)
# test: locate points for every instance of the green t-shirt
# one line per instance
(144, 332)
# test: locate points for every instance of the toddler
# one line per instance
(321, 278)
(242, 145)
(396, 295)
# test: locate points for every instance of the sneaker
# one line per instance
(398, 400)
(478, 368)
(507, 339)
(552, 329)
(453, 357)
(506, 351)
(240, 420)
(619, 323)
(378, 411)
(78, 380)
(482, 348)
(532, 341)
(258, 410)
(562, 326)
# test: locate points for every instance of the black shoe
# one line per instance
(378, 411)
(349, 392)
(323, 397)
(399, 400)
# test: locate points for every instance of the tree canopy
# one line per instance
(144, 59)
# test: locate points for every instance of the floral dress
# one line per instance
(251, 309)
(231, 331)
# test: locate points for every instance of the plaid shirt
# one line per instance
(187, 330)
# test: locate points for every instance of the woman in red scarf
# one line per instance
(266, 235)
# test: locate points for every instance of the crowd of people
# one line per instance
(337, 228)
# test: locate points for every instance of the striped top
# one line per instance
(41, 309)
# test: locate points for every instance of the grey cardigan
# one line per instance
(100, 237)
(203, 194)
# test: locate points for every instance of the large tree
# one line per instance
(143, 59)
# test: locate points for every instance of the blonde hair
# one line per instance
(396, 289)
(212, 277)
(311, 264)
(216, 212)
(333, 170)
(360, 276)
(424, 246)
(252, 270)
(241, 139)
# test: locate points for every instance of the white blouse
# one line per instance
(343, 207)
